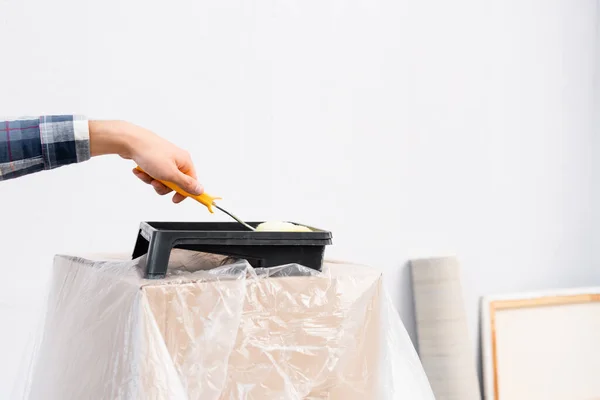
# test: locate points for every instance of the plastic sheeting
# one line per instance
(219, 329)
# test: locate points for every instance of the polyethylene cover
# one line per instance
(219, 329)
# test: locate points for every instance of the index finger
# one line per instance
(187, 167)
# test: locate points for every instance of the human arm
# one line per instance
(29, 145)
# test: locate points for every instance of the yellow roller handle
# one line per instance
(205, 199)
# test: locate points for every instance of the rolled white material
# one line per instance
(442, 331)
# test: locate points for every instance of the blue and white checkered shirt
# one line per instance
(29, 145)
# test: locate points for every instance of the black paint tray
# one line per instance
(260, 249)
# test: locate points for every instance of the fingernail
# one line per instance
(199, 189)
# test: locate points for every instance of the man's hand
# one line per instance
(159, 158)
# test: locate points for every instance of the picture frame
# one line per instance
(541, 345)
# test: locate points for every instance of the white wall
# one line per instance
(409, 129)
(596, 147)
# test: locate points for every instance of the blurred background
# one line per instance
(407, 128)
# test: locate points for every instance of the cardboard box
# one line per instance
(208, 332)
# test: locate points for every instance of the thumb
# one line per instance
(187, 183)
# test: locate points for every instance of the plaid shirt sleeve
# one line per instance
(29, 145)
